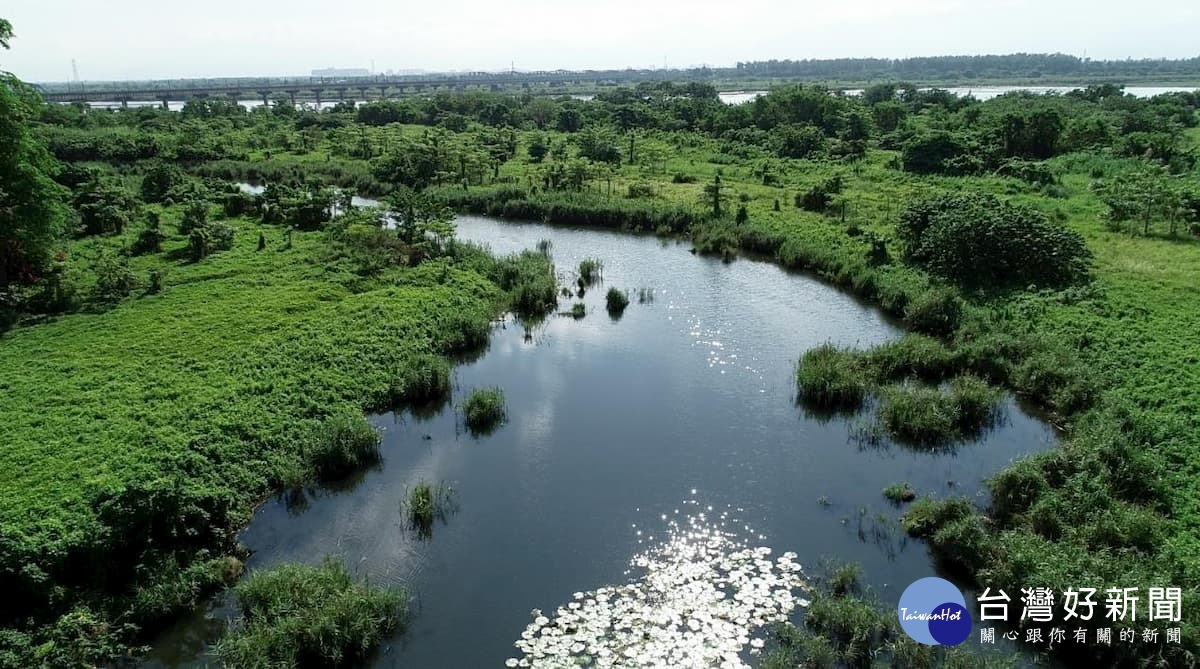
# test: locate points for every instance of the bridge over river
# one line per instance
(321, 89)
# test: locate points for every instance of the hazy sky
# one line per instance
(143, 39)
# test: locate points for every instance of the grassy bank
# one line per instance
(139, 437)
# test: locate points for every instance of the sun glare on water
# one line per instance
(700, 598)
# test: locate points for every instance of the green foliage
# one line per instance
(573, 208)
(301, 616)
(929, 416)
(578, 310)
(161, 181)
(926, 516)
(820, 196)
(342, 444)
(114, 278)
(32, 215)
(208, 238)
(484, 410)
(977, 240)
(716, 238)
(616, 301)
(900, 493)
(151, 237)
(798, 141)
(940, 152)
(156, 279)
(195, 215)
(591, 270)
(829, 377)
(420, 380)
(105, 207)
(937, 311)
(425, 503)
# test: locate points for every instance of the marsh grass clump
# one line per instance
(591, 270)
(937, 312)
(831, 378)
(484, 410)
(927, 515)
(718, 238)
(424, 379)
(900, 493)
(578, 311)
(930, 416)
(302, 616)
(341, 445)
(616, 301)
(912, 356)
(425, 503)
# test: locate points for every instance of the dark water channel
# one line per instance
(616, 428)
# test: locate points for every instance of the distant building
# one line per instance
(342, 72)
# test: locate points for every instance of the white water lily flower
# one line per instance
(699, 597)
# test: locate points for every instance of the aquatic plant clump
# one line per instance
(297, 615)
(616, 300)
(484, 409)
(426, 502)
(698, 603)
(831, 378)
(590, 270)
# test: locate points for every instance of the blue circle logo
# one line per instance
(933, 612)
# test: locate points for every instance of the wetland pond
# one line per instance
(667, 437)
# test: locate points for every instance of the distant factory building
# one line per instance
(342, 72)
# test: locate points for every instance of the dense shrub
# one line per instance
(940, 152)
(208, 238)
(819, 197)
(977, 240)
(160, 180)
(114, 278)
(151, 237)
(643, 214)
(936, 311)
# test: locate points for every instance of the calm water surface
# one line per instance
(617, 428)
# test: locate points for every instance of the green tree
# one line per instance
(32, 214)
(422, 222)
(1143, 197)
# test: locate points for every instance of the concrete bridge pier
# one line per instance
(165, 102)
(292, 95)
(317, 92)
(266, 98)
(362, 92)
